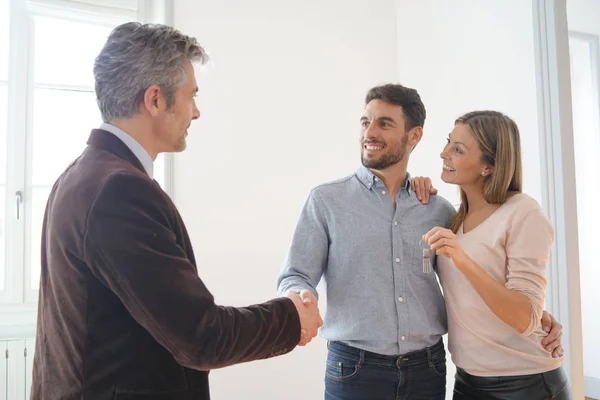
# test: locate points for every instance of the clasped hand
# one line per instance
(310, 319)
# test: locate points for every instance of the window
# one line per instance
(584, 52)
(47, 110)
(4, 43)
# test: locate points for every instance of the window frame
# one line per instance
(563, 298)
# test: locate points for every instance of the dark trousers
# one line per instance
(547, 385)
(354, 374)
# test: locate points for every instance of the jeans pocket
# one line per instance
(340, 368)
(438, 365)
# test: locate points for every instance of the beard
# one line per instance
(393, 156)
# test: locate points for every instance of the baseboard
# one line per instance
(591, 387)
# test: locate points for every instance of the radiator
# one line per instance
(15, 368)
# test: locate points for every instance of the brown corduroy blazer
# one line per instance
(122, 311)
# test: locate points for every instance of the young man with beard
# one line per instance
(385, 314)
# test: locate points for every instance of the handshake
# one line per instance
(310, 319)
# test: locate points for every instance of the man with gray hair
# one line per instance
(122, 311)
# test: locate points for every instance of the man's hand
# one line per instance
(310, 319)
(308, 297)
(423, 187)
(552, 342)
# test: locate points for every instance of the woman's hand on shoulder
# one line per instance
(423, 187)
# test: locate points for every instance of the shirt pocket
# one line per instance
(415, 244)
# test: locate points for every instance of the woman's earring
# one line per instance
(482, 173)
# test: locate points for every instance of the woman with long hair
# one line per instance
(492, 266)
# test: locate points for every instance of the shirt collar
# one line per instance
(368, 178)
(133, 145)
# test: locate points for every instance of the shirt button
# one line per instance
(395, 223)
(383, 192)
(376, 179)
(400, 299)
(397, 260)
(403, 338)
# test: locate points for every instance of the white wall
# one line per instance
(584, 17)
(280, 114)
(464, 55)
(280, 111)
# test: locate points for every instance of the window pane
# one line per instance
(39, 196)
(4, 42)
(3, 131)
(586, 140)
(2, 237)
(62, 121)
(159, 170)
(55, 60)
(3, 156)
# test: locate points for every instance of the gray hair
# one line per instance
(136, 57)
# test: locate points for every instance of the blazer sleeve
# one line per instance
(131, 248)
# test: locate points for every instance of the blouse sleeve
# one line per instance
(528, 248)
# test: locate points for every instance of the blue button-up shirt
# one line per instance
(370, 256)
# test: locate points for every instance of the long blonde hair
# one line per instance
(500, 144)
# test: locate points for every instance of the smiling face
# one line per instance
(463, 159)
(483, 154)
(383, 138)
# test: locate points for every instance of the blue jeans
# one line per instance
(354, 374)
